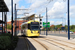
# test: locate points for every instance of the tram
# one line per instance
(31, 28)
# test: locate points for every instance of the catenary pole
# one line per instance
(12, 17)
(46, 21)
(68, 23)
(2, 19)
(39, 22)
(15, 19)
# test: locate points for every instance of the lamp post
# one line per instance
(68, 23)
(12, 17)
(16, 18)
(65, 21)
(46, 21)
(62, 20)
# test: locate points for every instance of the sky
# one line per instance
(56, 10)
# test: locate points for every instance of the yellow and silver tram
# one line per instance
(30, 28)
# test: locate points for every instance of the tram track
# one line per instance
(63, 45)
(62, 41)
(27, 44)
(54, 44)
(43, 45)
(49, 41)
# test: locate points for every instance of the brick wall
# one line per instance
(18, 23)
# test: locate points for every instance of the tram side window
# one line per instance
(28, 26)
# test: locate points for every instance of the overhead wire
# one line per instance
(41, 6)
(27, 11)
(38, 7)
(45, 6)
(48, 4)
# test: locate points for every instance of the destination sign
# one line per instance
(34, 23)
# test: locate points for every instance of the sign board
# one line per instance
(48, 24)
(35, 23)
(0, 28)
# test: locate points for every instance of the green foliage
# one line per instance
(72, 28)
(23, 27)
(15, 38)
(9, 26)
(58, 26)
(4, 42)
(55, 27)
(52, 27)
(6, 34)
(13, 43)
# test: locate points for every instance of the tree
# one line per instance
(52, 26)
(72, 26)
(58, 26)
(9, 26)
(66, 27)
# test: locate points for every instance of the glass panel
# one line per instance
(34, 27)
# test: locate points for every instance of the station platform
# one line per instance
(51, 42)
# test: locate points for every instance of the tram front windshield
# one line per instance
(34, 26)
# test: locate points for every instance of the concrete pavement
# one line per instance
(24, 44)
(50, 42)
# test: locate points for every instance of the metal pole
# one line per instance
(12, 17)
(34, 18)
(46, 21)
(2, 19)
(62, 21)
(68, 23)
(65, 23)
(39, 24)
(16, 22)
(4, 22)
(15, 19)
(18, 26)
(44, 31)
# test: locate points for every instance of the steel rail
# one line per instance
(48, 40)
(41, 44)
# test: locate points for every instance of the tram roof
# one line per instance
(3, 6)
(23, 23)
(28, 22)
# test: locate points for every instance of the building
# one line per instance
(24, 19)
(18, 23)
(33, 17)
(3, 9)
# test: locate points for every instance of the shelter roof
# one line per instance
(3, 6)
(1, 21)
